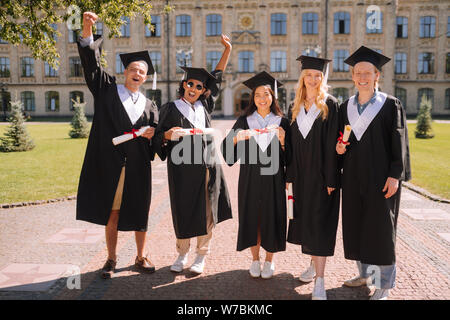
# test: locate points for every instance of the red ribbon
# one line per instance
(341, 138)
(196, 131)
(133, 132)
(291, 198)
(265, 130)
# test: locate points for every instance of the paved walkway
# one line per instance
(41, 247)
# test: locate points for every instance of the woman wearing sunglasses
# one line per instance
(258, 141)
(198, 193)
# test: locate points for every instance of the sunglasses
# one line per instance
(199, 87)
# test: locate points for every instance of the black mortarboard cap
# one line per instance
(313, 63)
(262, 79)
(199, 74)
(130, 57)
(368, 55)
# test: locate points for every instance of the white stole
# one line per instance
(263, 139)
(305, 120)
(197, 117)
(360, 123)
(134, 110)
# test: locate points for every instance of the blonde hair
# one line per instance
(300, 97)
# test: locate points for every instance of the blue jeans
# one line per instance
(382, 277)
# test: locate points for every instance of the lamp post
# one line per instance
(183, 56)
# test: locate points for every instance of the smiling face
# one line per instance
(263, 99)
(193, 89)
(135, 75)
(365, 75)
(312, 79)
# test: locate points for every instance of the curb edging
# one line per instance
(424, 193)
(35, 203)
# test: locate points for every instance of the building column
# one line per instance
(227, 101)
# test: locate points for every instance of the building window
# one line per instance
(119, 65)
(73, 36)
(5, 70)
(73, 96)
(447, 98)
(447, 63)
(428, 93)
(52, 101)
(427, 27)
(5, 100)
(213, 25)
(372, 24)
(154, 95)
(99, 28)
(278, 61)
(342, 23)
(400, 62)
(27, 99)
(212, 59)
(400, 94)
(338, 61)
(156, 25)
(341, 94)
(426, 63)
(54, 26)
(246, 61)
(402, 27)
(5, 42)
(184, 59)
(448, 27)
(156, 60)
(49, 71)
(278, 24)
(75, 67)
(27, 66)
(125, 28)
(310, 23)
(183, 26)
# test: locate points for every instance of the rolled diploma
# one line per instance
(290, 202)
(190, 132)
(128, 136)
(254, 132)
(347, 131)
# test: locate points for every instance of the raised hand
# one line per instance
(226, 42)
(89, 19)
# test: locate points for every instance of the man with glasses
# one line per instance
(198, 193)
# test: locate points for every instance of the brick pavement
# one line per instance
(32, 235)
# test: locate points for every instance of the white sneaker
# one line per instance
(309, 274)
(380, 294)
(356, 282)
(180, 263)
(255, 269)
(268, 269)
(199, 264)
(319, 292)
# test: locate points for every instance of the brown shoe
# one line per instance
(108, 269)
(144, 265)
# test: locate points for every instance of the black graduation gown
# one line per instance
(312, 169)
(103, 161)
(261, 198)
(369, 221)
(187, 181)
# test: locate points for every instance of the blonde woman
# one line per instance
(313, 170)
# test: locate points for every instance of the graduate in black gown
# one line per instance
(313, 170)
(115, 181)
(374, 164)
(261, 190)
(198, 192)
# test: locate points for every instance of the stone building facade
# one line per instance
(266, 35)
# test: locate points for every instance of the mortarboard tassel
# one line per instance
(154, 81)
(276, 89)
(326, 75)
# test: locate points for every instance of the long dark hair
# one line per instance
(274, 107)
(202, 97)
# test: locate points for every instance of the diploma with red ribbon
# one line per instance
(129, 135)
(290, 202)
(191, 132)
(343, 137)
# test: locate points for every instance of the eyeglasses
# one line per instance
(199, 87)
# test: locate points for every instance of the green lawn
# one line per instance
(52, 168)
(430, 160)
